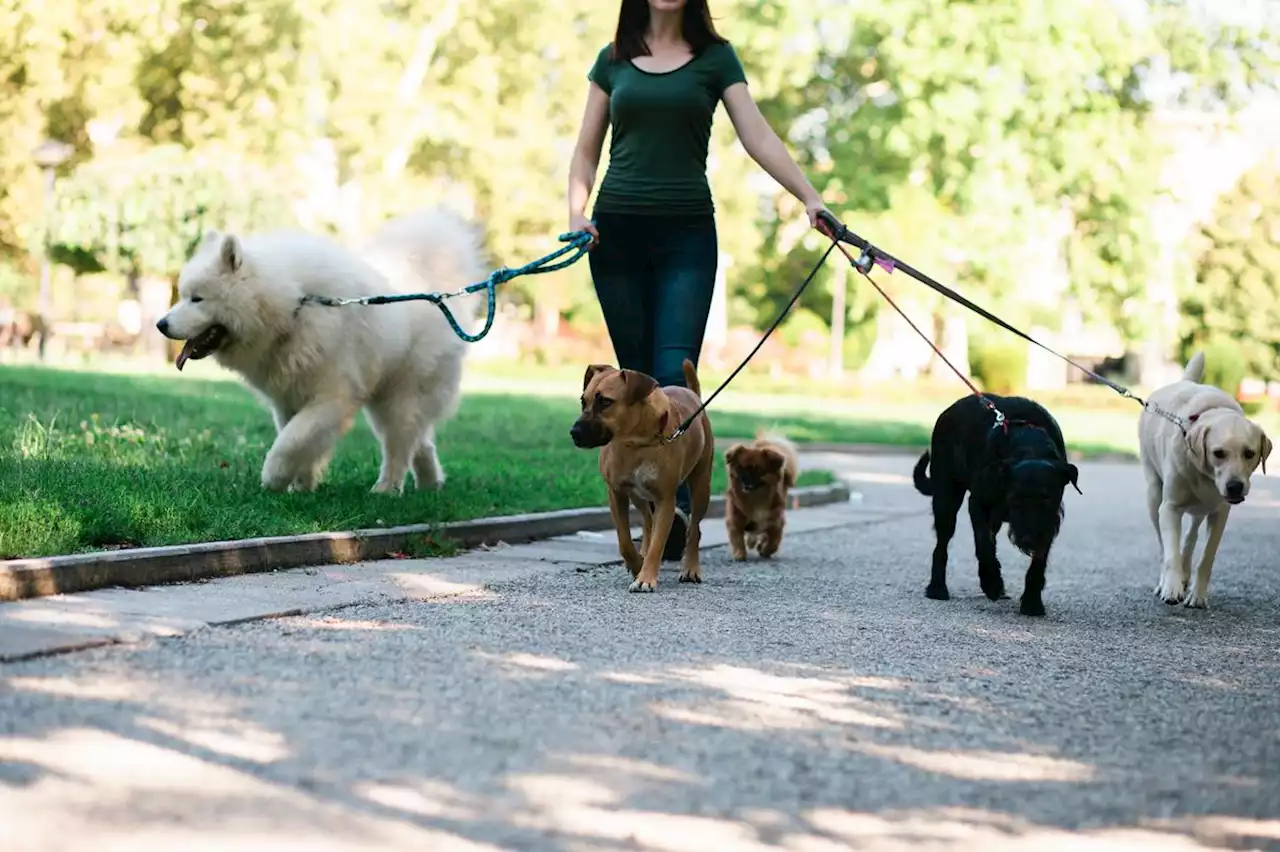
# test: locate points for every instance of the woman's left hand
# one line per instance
(812, 209)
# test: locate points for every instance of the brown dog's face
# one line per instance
(614, 403)
(1229, 448)
(754, 468)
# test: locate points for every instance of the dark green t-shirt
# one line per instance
(661, 127)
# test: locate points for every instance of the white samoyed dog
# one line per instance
(241, 301)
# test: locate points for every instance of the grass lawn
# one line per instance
(93, 461)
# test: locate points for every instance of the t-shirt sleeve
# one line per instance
(729, 67)
(601, 72)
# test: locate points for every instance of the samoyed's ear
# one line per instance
(230, 253)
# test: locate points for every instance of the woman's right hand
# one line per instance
(580, 222)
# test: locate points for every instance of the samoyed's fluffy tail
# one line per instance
(775, 438)
(430, 250)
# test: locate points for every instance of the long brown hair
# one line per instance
(633, 22)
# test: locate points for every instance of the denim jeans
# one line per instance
(654, 276)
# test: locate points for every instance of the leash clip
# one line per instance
(865, 261)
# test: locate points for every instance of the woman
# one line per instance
(654, 253)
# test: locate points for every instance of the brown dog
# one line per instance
(761, 474)
(630, 419)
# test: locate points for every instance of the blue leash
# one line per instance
(577, 243)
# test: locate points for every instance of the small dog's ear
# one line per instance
(591, 373)
(231, 254)
(731, 455)
(1263, 451)
(1073, 476)
(774, 459)
(639, 386)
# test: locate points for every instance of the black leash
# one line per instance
(688, 421)
(872, 256)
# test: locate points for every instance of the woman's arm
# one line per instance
(586, 157)
(763, 145)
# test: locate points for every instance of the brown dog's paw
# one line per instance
(687, 576)
(739, 555)
(639, 585)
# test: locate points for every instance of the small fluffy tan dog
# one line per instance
(629, 417)
(761, 474)
(1200, 466)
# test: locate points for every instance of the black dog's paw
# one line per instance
(937, 592)
(995, 593)
(994, 589)
(1032, 606)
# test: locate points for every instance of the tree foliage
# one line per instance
(1236, 298)
(143, 215)
(954, 133)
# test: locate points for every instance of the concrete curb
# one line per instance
(148, 566)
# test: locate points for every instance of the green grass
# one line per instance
(93, 461)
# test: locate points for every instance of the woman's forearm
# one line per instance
(772, 155)
(582, 177)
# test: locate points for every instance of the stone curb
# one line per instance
(916, 450)
(148, 566)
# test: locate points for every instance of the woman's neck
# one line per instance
(665, 29)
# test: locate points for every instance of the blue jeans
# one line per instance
(654, 277)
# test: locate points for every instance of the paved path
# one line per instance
(817, 703)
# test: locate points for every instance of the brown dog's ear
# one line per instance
(774, 460)
(639, 386)
(731, 454)
(1264, 451)
(591, 373)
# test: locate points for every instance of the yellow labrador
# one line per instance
(1198, 453)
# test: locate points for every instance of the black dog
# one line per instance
(1015, 472)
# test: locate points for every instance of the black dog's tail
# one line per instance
(921, 479)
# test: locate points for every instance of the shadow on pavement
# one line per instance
(815, 703)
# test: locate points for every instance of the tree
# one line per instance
(140, 216)
(1003, 111)
(1236, 298)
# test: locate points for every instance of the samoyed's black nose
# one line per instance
(163, 326)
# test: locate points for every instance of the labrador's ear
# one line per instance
(639, 386)
(1264, 451)
(591, 373)
(1198, 444)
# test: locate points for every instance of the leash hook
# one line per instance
(865, 261)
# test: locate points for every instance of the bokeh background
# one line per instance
(1103, 172)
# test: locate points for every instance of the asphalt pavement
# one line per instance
(816, 702)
